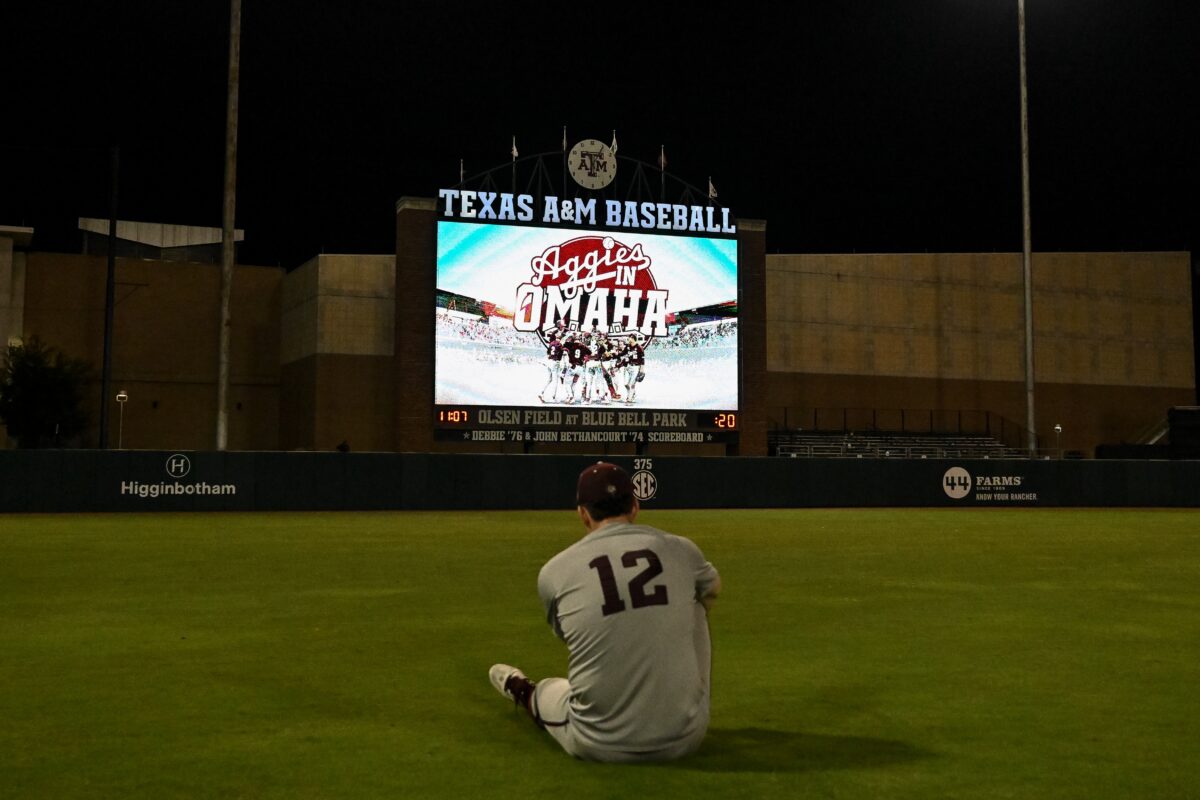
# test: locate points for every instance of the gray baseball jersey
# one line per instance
(625, 600)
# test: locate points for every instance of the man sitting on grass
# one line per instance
(631, 603)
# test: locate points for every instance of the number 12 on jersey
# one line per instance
(637, 585)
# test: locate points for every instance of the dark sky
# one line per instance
(868, 125)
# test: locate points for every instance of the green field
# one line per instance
(857, 654)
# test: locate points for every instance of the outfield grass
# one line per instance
(858, 654)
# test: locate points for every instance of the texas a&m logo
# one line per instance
(592, 283)
(592, 164)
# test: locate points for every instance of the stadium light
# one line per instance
(1058, 438)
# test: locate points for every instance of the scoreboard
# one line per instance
(569, 332)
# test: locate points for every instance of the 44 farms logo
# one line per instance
(957, 483)
(588, 283)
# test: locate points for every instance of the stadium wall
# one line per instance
(1113, 337)
(338, 353)
(166, 321)
(333, 352)
(13, 243)
(83, 481)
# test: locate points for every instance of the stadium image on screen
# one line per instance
(532, 316)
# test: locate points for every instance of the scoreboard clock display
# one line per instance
(452, 418)
(721, 420)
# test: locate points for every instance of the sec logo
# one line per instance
(644, 485)
(956, 483)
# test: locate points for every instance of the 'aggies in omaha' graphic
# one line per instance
(592, 283)
(528, 315)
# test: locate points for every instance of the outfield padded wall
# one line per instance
(92, 480)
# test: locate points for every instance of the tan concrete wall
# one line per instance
(338, 336)
(165, 345)
(173, 415)
(298, 313)
(330, 399)
(1121, 319)
(298, 404)
(12, 291)
(339, 305)
(1112, 333)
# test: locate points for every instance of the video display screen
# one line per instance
(537, 316)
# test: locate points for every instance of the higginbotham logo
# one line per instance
(178, 466)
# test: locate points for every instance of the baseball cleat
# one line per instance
(510, 682)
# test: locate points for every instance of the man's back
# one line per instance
(625, 601)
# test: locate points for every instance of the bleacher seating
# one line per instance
(876, 444)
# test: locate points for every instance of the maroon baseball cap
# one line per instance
(602, 481)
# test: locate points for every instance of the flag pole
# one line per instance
(514, 165)
(613, 148)
(662, 173)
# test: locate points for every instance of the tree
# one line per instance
(41, 394)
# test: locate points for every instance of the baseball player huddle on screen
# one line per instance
(592, 367)
(631, 603)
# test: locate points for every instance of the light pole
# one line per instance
(1027, 254)
(122, 397)
(228, 232)
(1058, 439)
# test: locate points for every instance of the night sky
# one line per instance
(881, 126)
